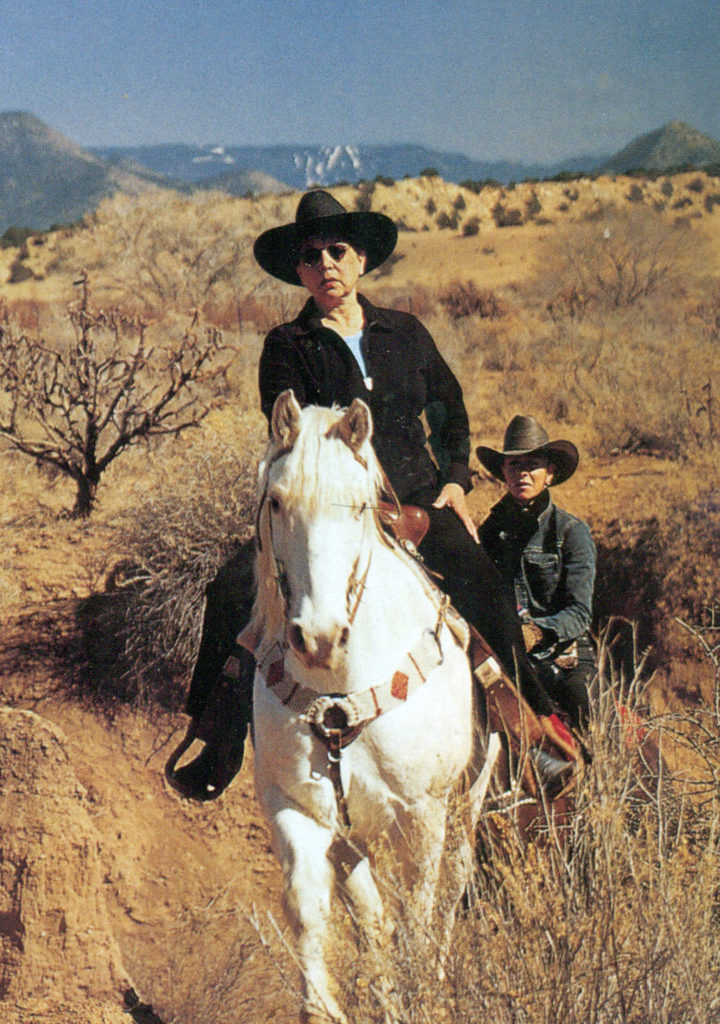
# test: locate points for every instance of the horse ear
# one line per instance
(285, 420)
(354, 426)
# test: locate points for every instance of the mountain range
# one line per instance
(299, 167)
(46, 179)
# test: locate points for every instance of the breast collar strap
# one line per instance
(349, 713)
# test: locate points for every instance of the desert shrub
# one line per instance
(471, 226)
(173, 541)
(19, 272)
(505, 217)
(364, 197)
(477, 186)
(680, 204)
(386, 268)
(696, 185)
(621, 260)
(459, 202)
(533, 206)
(431, 206)
(689, 531)
(461, 300)
(635, 194)
(77, 406)
(445, 220)
(500, 346)
(712, 199)
(167, 251)
(566, 176)
(667, 188)
(14, 237)
(429, 172)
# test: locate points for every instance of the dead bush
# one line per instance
(461, 300)
(173, 541)
(617, 261)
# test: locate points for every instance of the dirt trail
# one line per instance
(110, 882)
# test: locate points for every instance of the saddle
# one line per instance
(407, 522)
(539, 744)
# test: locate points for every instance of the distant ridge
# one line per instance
(301, 166)
(676, 144)
(47, 179)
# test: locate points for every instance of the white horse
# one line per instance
(363, 717)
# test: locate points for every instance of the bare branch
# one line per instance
(80, 407)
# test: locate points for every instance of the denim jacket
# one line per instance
(546, 557)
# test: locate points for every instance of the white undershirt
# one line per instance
(353, 342)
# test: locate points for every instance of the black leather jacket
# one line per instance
(408, 377)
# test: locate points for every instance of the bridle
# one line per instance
(338, 719)
(356, 582)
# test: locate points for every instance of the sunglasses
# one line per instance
(310, 256)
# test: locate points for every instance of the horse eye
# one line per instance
(274, 503)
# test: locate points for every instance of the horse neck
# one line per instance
(398, 603)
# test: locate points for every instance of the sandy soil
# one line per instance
(97, 847)
(118, 900)
(165, 889)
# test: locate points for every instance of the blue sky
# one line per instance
(519, 79)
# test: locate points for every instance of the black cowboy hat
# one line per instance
(278, 249)
(525, 436)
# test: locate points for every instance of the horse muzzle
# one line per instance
(318, 649)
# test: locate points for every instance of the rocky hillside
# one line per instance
(674, 145)
(47, 179)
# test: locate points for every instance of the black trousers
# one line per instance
(467, 574)
(570, 687)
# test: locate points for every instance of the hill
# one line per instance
(674, 145)
(47, 179)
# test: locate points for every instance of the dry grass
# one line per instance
(618, 921)
(608, 917)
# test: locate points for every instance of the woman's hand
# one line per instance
(453, 496)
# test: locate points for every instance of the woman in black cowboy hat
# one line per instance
(341, 347)
(546, 558)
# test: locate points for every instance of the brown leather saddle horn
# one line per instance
(407, 522)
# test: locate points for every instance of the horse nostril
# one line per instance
(344, 637)
(296, 637)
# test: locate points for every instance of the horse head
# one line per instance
(320, 481)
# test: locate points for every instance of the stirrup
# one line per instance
(210, 773)
(552, 772)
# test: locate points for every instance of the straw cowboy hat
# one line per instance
(320, 214)
(525, 436)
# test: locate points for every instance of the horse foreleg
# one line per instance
(302, 847)
(422, 828)
(373, 929)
